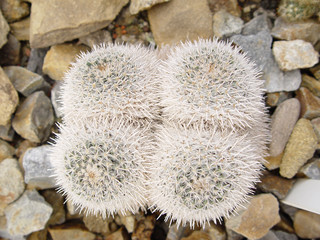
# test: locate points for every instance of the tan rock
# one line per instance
(196, 235)
(216, 232)
(21, 29)
(300, 148)
(10, 52)
(8, 98)
(59, 58)
(14, 10)
(66, 26)
(180, 20)
(23, 146)
(74, 233)
(6, 150)
(129, 222)
(4, 30)
(261, 214)
(311, 83)
(6, 132)
(230, 6)
(310, 104)
(118, 235)
(96, 38)
(144, 229)
(97, 224)
(273, 162)
(39, 235)
(316, 71)
(56, 200)
(307, 224)
(140, 5)
(316, 126)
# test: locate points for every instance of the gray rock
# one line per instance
(28, 214)
(140, 5)
(283, 122)
(25, 81)
(175, 232)
(36, 59)
(225, 24)
(270, 236)
(10, 52)
(311, 169)
(96, 38)
(44, 32)
(281, 235)
(4, 30)
(34, 118)
(14, 10)
(55, 98)
(295, 54)
(257, 24)
(37, 167)
(4, 233)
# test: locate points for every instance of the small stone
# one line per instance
(6, 132)
(283, 121)
(196, 235)
(96, 38)
(10, 52)
(179, 20)
(216, 232)
(55, 98)
(316, 126)
(119, 235)
(56, 200)
(4, 233)
(316, 71)
(311, 169)
(285, 224)
(14, 10)
(21, 29)
(232, 235)
(289, 210)
(310, 104)
(38, 168)
(74, 233)
(4, 30)
(262, 213)
(230, 6)
(25, 81)
(295, 54)
(274, 99)
(129, 222)
(39, 235)
(300, 148)
(144, 228)
(175, 232)
(273, 162)
(8, 98)
(36, 59)
(276, 185)
(225, 24)
(308, 30)
(140, 5)
(312, 84)
(281, 235)
(307, 224)
(59, 58)
(6, 150)
(23, 146)
(257, 24)
(44, 32)
(270, 236)
(97, 224)
(28, 214)
(34, 118)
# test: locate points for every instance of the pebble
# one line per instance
(261, 215)
(307, 224)
(120, 235)
(311, 83)
(96, 38)
(230, 6)
(144, 228)
(56, 200)
(36, 59)
(14, 10)
(311, 169)
(283, 121)
(289, 210)
(10, 52)
(300, 148)
(310, 104)
(308, 30)
(137, 6)
(4, 30)
(269, 236)
(4, 233)
(21, 29)
(295, 54)
(316, 127)
(97, 224)
(273, 162)
(59, 58)
(6, 150)
(179, 20)
(38, 168)
(129, 222)
(55, 98)
(74, 233)
(281, 235)
(23, 146)
(25, 81)
(39, 235)
(44, 32)
(6, 132)
(226, 25)
(316, 71)
(34, 118)
(28, 214)
(216, 232)
(196, 235)
(8, 98)
(232, 235)
(175, 232)
(275, 98)
(257, 24)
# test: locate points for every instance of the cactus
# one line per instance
(294, 10)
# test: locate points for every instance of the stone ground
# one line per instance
(39, 40)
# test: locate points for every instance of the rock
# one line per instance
(232, 235)
(225, 24)
(8, 98)
(74, 233)
(6, 132)
(312, 84)
(129, 222)
(310, 104)
(269, 236)
(274, 99)
(36, 59)
(316, 127)
(4, 233)
(39, 235)
(311, 169)
(195, 235)
(295, 54)
(289, 210)
(21, 29)
(6, 150)
(4, 30)
(283, 121)
(273, 162)
(14, 10)
(308, 30)
(23, 146)
(25, 81)
(300, 148)
(96, 38)
(281, 235)
(28, 214)
(175, 232)
(10, 52)
(144, 229)
(216, 232)
(276, 185)
(56, 200)
(34, 118)
(44, 32)
(257, 24)
(119, 235)
(255, 221)
(59, 58)
(97, 224)
(38, 168)
(230, 6)
(55, 98)
(179, 20)
(285, 224)
(307, 224)
(140, 5)
(73, 210)
(316, 71)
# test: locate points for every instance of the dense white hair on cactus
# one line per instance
(114, 81)
(213, 82)
(198, 175)
(101, 169)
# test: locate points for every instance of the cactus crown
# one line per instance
(294, 10)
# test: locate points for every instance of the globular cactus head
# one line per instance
(202, 174)
(209, 81)
(112, 81)
(295, 10)
(101, 169)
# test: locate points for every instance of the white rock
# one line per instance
(226, 25)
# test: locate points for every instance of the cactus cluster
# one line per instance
(295, 10)
(185, 135)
